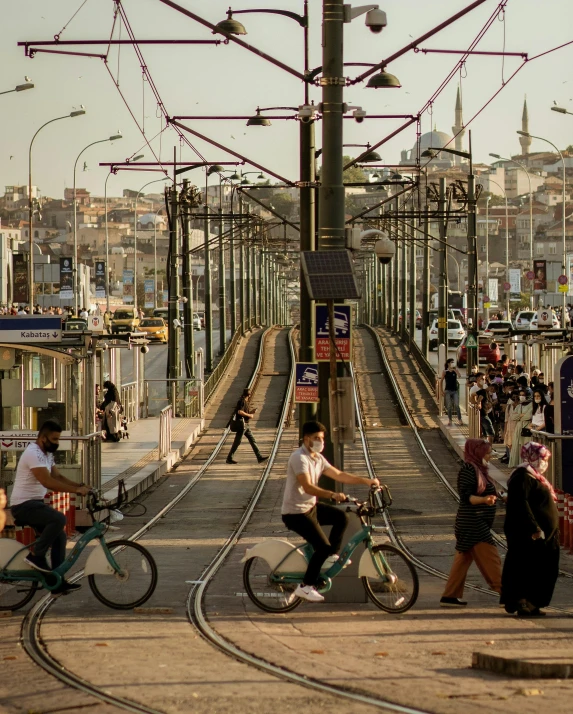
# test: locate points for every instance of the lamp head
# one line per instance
(214, 169)
(523, 133)
(495, 156)
(139, 156)
(245, 181)
(383, 80)
(561, 110)
(235, 177)
(258, 120)
(23, 87)
(261, 176)
(115, 137)
(231, 26)
(77, 112)
(371, 157)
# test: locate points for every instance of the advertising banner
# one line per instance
(66, 279)
(306, 385)
(342, 333)
(570, 273)
(128, 292)
(20, 276)
(149, 290)
(100, 281)
(31, 328)
(493, 290)
(540, 276)
(515, 283)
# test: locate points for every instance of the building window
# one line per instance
(539, 249)
(552, 249)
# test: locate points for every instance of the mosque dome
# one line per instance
(434, 140)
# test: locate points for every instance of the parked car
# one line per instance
(418, 318)
(154, 328)
(456, 333)
(433, 315)
(556, 325)
(124, 319)
(459, 315)
(197, 323)
(498, 327)
(489, 352)
(75, 324)
(523, 319)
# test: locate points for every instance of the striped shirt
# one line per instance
(473, 523)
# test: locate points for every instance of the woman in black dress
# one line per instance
(111, 409)
(474, 541)
(532, 530)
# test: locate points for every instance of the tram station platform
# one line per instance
(136, 460)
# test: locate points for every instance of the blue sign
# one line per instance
(306, 384)
(32, 328)
(342, 332)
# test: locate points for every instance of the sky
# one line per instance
(228, 80)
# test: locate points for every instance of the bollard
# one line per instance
(561, 511)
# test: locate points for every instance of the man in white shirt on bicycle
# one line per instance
(302, 514)
(36, 473)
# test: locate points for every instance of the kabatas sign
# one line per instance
(19, 440)
(30, 328)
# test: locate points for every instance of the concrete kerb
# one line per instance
(558, 664)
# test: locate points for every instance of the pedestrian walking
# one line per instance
(111, 410)
(241, 416)
(451, 389)
(474, 519)
(520, 421)
(531, 527)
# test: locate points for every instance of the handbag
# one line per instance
(526, 431)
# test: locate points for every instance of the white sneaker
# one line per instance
(308, 592)
(331, 560)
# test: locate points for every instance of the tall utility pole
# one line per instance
(331, 224)
(232, 271)
(443, 282)
(404, 282)
(173, 294)
(222, 292)
(413, 282)
(187, 282)
(208, 298)
(425, 283)
(472, 354)
(249, 313)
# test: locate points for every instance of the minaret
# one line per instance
(525, 141)
(458, 128)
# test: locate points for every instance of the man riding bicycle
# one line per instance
(302, 514)
(35, 475)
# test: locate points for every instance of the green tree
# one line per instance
(354, 174)
(283, 203)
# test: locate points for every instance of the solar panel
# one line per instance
(329, 275)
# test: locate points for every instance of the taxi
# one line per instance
(154, 328)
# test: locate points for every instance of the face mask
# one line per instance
(317, 447)
(50, 447)
(538, 400)
(521, 398)
(543, 466)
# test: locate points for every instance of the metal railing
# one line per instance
(128, 398)
(213, 379)
(553, 443)
(186, 394)
(165, 416)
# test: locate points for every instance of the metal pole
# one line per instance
(208, 298)
(412, 279)
(242, 285)
(486, 286)
(384, 296)
(107, 266)
(222, 291)
(426, 283)
(155, 261)
(254, 273)
(173, 295)
(507, 315)
(472, 354)
(403, 284)
(390, 287)
(187, 285)
(443, 282)
(248, 284)
(232, 271)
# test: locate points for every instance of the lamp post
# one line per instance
(564, 222)
(486, 281)
(165, 178)
(107, 266)
(560, 110)
(501, 188)
(114, 137)
(75, 113)
(522, 167)
(155, 256)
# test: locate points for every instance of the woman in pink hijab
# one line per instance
(532, 529)
(474, 541)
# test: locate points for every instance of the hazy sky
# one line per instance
(226, 79)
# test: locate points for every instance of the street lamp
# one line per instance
(114, 137)
(383, 80)
(561, 110)
(107, 266)
(564, 247)
(20, 87)
(75, 113)
(522, 167)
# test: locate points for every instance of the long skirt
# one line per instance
(530, 571)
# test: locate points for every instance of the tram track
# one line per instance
(439, 477)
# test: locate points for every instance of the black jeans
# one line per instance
(49, 523)
(243, 430)
(308, 525)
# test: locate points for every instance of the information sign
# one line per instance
(562, 280)
(66, 279)
(95, 323)
(530, 275)
(563, 288)
(100, 279)
(342, 333)
(13, 441)
(30, 328)
(306, 385)
(471, 342)
(507, 287)
(128, 287)
(149, 290)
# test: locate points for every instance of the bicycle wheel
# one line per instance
(400, 591)
(134, 585)
(14, 595)
(269, 596)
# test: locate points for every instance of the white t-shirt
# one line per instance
(26, 485)
(295, 500)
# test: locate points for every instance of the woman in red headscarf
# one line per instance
(532, 529)
(474, 520)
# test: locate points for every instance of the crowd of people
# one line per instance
(65, 312)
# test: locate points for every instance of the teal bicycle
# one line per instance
(121, 574)
(274, 568)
